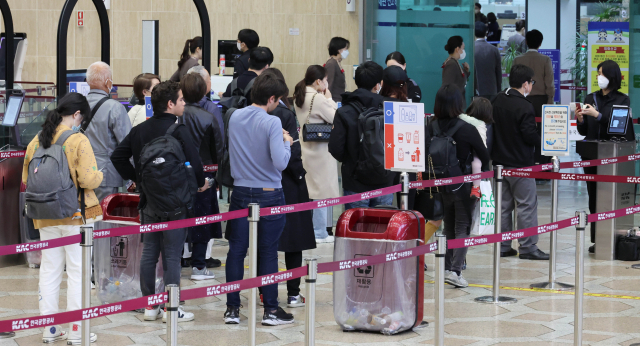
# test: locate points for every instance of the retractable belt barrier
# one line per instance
(215, 290)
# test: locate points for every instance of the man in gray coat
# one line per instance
(488, 66)
(107, 128)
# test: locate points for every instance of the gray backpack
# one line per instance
(51, 193)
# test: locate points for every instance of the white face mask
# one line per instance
(527, 93)
(345, 53)
(378, 91)
(463, 54)
(603, 82)
(239, 45)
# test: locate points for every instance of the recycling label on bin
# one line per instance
(364, 274)
(119, 251)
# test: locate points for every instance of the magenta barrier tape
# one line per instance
(450, 181)
(600, 162)
(12, 154)
(572, 177)
(39, 245)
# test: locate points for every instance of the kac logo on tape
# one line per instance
(370, 194)
(272, 279)
(632, 210)
(157, 299)
(398, 255)
(208, 219)
(89, 313)
(153, 227)
(475, 241)
(547, 228)
(604, 216)
(511, 236)
(20, 324)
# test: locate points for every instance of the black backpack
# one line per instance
(162, 173)
(370, 164)
(223, 176)
(442, 153)
(238, 97)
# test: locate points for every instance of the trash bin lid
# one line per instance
(383, 224)
(122, 207)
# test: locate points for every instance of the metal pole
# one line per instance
(552, 284)
(579, 296)
(254, 217)
(441, 239)
(404, 194)
(310, 283)
(496, 298)
(87, 243)
(173, 302)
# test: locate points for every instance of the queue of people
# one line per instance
(273, 164)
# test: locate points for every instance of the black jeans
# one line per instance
(198, 254)
(293, 260)
(592, 189)
(457, 223)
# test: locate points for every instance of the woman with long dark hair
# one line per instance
(189, 58)
(456, 198)
(452, 72)
(61, 128)
(314, 105)
(413, 90)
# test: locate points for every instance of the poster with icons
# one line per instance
(404, 137)
(555, 130)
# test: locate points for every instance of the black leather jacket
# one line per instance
(205, 132)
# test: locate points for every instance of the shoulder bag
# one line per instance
(316, 132)
(430, 205)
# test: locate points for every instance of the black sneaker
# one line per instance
(213, 263)
(276, 318)
(232, 315)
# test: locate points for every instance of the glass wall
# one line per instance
(419, 29)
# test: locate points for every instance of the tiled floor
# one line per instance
(538, 318)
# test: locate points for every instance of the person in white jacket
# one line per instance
(142, 86)
(480, 115)
(314, 105)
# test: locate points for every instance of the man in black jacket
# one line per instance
(247, 40)
(261, 59)
(515, 137)
(344, 143)
(168, 104)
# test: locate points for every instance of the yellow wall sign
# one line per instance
(608, 41)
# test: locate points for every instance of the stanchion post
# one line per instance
(254, 217)
(441, 240)
(86, 243)
(579, 296)
(552, 284)
(173, 302)
(310, 306)
(495, 298)
(404, 193)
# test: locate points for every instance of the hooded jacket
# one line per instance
(343, 144)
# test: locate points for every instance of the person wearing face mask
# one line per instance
(514, 140)
(65, 120)
(593, 120)
(189, 58)
(106, 128)
(344, 142)
(313, 105)
(338, 50)
(247, 40)
(414, 94)
(142, 86)
(259, 150)
(452, 72)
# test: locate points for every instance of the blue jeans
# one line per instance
(368, 203)
(269, 231)
(320, 222)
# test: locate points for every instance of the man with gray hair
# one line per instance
(206, 102)
(108, 126)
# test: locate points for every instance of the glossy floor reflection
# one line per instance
(538, 318)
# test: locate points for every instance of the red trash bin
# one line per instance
(385, 297)
(117, 259)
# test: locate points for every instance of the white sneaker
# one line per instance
(53, 334)
(183, 316)
(456, 280)
(151, 314)
(296, 301)
(328, 239)
(204, 274)
(75, 335)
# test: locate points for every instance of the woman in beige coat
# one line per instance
(314, 105)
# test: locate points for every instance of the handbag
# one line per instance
(431, 205)
(316, 132)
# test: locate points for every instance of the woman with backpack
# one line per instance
(189, 58)
(456, 199)
(59, 143)
(314, 105)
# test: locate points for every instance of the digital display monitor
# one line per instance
(230, 50)
(619, 120)
(12, 111)
(76, 75)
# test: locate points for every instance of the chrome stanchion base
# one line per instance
(636, 266)
(6, 335)
(501, 300)
(558, 286)
(423, 324)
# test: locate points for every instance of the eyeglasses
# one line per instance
(532, 82)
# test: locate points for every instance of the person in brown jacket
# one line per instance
(189, 58)
(68, 116)
(543, 88)
(452, 72)
(338, 50)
